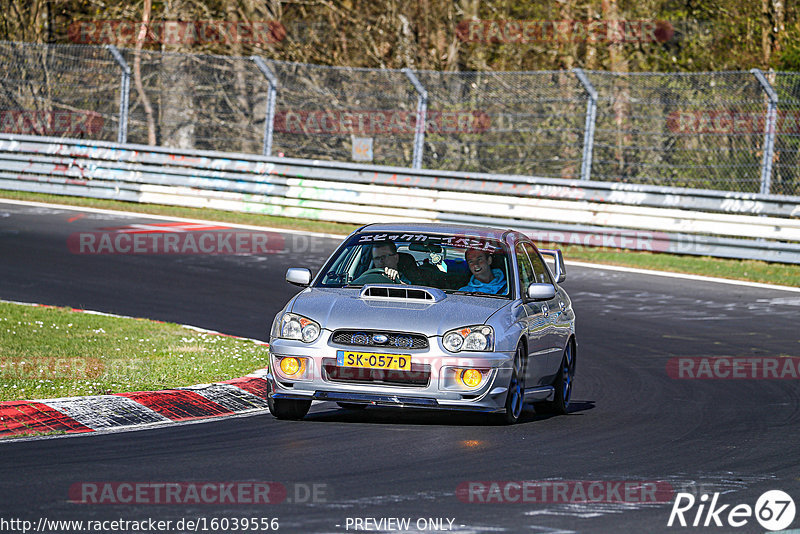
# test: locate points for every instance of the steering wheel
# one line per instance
(374, 276)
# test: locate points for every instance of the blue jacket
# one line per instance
(495, 287)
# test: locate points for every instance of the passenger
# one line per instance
(484, 279)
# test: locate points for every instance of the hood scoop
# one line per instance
(427, 295)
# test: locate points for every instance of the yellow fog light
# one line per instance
(290, 366)
(471, 377)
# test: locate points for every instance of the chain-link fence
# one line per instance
(61, 91)
(321, 112)
(732, 131)
(196, 101)
(684, 130)
(521, 122)
(785, 175)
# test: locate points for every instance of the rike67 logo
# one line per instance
(774, 510)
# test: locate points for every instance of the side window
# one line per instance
(539, 268)
(526, 274)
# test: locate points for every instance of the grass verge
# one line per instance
(754, 271)
(48, 352)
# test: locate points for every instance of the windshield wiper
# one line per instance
(476, 294)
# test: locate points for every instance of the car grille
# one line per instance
(418, 376)
(372, 338)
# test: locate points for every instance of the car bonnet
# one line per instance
(335, 308)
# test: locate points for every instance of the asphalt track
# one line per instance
(629, 421)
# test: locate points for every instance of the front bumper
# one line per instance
(432, 363)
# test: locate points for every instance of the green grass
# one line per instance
(55, 352)
(754, 271)
(35, 434)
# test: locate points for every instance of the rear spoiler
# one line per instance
(560, 273)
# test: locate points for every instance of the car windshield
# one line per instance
(461, 264)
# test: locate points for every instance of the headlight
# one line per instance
(297, 327)
(470, 338)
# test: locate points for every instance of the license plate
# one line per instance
(371, 360)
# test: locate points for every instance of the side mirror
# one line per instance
(299, 276)
(541, 291)
(560, 273)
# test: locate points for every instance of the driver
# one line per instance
(484, 279)
(385, 256)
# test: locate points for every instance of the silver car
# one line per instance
(438, 316)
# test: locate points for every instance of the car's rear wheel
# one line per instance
(562, 385)
(515, 398)
(293, 409)
(351, 405)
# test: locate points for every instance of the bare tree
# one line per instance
(617, 62)
(25, 20)
(137, 72)
(181, 77)
(773, 27)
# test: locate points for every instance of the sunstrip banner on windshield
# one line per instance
(476, 242)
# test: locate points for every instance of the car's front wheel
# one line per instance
(289, 408)
(515, 399)
(562, 385)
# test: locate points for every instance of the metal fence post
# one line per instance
(124, 94)
(422, 111)
(588, 129)
(272, 94)
(769, 131)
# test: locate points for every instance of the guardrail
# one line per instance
(637, 217)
